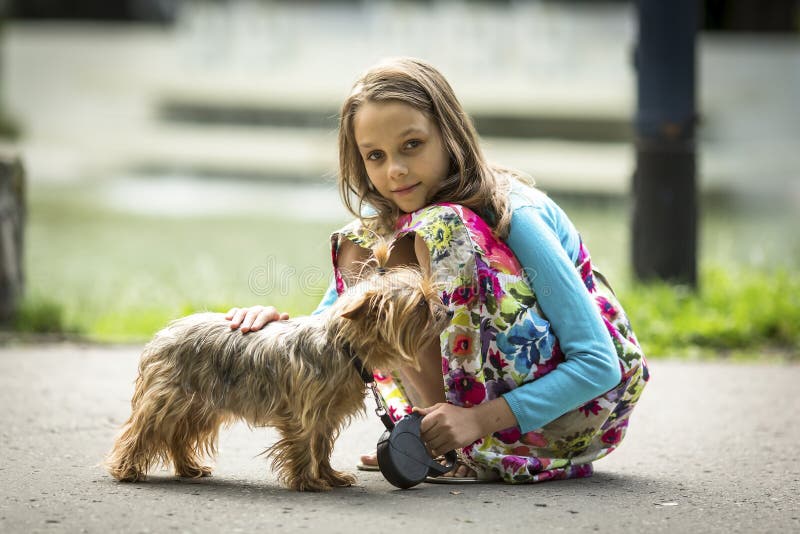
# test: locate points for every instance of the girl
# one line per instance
(538, 372)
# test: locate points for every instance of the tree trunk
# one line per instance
(12, 223)
(665, 211)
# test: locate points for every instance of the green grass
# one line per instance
(119, 277)
(112, 276)
(737, 311)
(40, 316)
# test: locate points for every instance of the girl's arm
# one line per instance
(591, 367)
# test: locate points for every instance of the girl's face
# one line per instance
(403, 152)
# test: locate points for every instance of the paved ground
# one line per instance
(712, 448)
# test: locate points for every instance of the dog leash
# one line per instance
(403, 457)
(369, 381)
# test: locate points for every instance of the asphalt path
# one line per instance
(712, 447)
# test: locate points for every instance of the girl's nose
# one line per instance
(397, 169)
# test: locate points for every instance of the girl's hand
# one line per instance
(254, 317)
(446, 427)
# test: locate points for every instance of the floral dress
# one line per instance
(499, 339)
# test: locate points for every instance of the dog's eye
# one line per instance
(423, 303)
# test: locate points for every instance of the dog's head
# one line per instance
(390, 316)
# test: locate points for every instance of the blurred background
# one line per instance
(181, 155)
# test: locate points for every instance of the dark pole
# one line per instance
(665, 194)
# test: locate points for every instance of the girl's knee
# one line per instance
(422, 254)
(350, 260)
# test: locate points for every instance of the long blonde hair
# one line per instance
(471, 181)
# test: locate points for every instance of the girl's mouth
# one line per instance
(406, 190)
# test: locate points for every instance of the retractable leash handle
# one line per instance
(403, 458)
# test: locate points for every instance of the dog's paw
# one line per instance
(128, 475)
(194, 471)
(309, 484)
(339, 479)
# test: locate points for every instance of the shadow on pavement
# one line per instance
(371, 488)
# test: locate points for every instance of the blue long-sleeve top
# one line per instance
(547, 244)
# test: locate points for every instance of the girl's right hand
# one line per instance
(254, 317)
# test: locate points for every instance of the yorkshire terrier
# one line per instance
(296, 375)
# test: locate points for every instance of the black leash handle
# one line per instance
(403, 457)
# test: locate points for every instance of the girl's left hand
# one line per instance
(446, 427)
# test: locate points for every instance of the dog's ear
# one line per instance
(358, 310)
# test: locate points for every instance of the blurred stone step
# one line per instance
(501, 119)
(309, 155)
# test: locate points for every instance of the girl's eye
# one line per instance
(374, 156)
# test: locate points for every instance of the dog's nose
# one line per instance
(450, 314)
